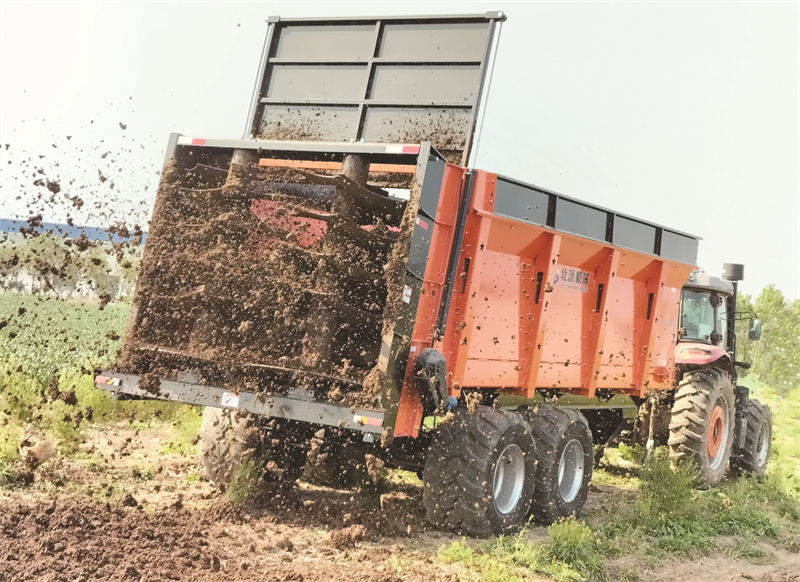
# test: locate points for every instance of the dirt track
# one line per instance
(123, 511)
(65, 540)
(76, 522)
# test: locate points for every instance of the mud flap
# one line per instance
(430, 374)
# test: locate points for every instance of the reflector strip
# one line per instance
(184, 140)
(106, 380)
(402, 149)
(422, 223)
(367, 420)
(229, 400)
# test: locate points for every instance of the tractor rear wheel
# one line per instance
(479, 472)
(702, 424)
(229, 438)
(565, 457)
(753, 457)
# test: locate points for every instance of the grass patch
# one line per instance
(93, 465)
(399, 564)
(184, 432)
(490, 566)
(668, 508)
(570, 554)
(747, 548)
(634, 454)
(574, 544)
(245, 481)
(7, 473)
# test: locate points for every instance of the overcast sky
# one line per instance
(681, 113)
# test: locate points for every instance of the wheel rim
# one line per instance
(718, 429)
(570, 471)
(509, 478)
(762, 446)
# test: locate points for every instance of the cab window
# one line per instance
(703, 316)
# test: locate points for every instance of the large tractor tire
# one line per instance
(753, 457)
(479, 472)
(229, 438)
(564, 452)
(702, 424)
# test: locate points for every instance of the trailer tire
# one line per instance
(480, 472)
(565, 456)
(753, 457)
(703, 422)
(229, 438)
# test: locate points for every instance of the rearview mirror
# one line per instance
(755, 330)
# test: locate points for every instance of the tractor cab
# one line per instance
(704, 308)
(707, 318)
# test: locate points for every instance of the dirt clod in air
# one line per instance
(387, 436)
(104, 299)
(375, 468)
(473, 401)
(35, 448)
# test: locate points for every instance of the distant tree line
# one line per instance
(775, 358)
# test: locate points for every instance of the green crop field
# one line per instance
(49, 348)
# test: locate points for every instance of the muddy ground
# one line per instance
(124, 508)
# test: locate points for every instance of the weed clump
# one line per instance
(668, 509)
(574, 544)
(7, 475)
(246, 481)
(494, 562)
(666, 496)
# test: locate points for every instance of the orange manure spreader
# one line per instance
(342, 282)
